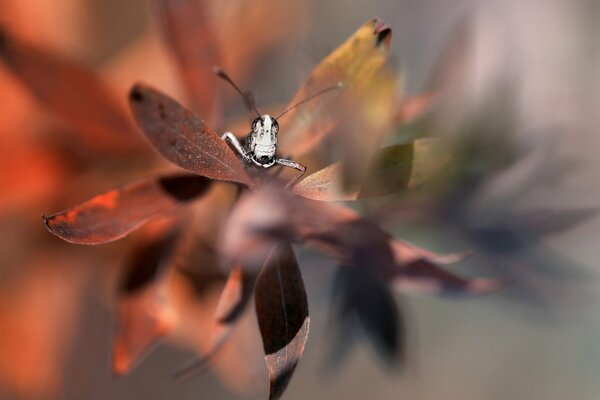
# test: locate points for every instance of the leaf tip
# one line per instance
(383, 33)
(484, 286)
(136, 94)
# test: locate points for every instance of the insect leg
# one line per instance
(230, 137)
(292, 164)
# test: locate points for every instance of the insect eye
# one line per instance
(275, 126)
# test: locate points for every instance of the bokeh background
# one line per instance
(529, 80)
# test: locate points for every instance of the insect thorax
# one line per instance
(262, 143)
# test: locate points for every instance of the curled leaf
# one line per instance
(282, 311)
(182, 138)
(113, 215)
(71, 91)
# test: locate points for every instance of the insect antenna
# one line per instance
(309, 98)
(248, 100)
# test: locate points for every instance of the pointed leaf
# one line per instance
(72, 91)
(115, 214)
(282, 311)
(184, 139)
(353, 63)
(189, 37)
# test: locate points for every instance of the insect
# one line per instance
(260, 145)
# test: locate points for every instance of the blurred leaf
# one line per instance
(353, 63)
(233, 301)
(345, 237)
(183, 138)
(282, 311)
(413, 108)
(72, 91)
(362, 299)
(190, 38)
(112, 215)
(236, 21)
(139, 326)
(393, 168)
(422, 276)
(146, 261)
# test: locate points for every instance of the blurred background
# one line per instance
(519, 97)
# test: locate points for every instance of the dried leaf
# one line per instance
(190, 37)
(73, 92)
(353, 63)
(282, 310)
(183, 138)
(114, 214)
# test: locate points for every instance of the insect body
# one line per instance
(260, 146)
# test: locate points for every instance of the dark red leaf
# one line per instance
(189, 36)
(183, 138)
(72, 91)
(282, 311)
(146, 262)
(114, 214)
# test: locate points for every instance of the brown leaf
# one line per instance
(190, 37)
(353, 63)
(184, 139)
(282, 310)
(72, 91)
(112, 215)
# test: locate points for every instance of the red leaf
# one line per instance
(139, 326)
(282, 310)
(189, 35)
(184, 139)
(71, 91)
(112, 215)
